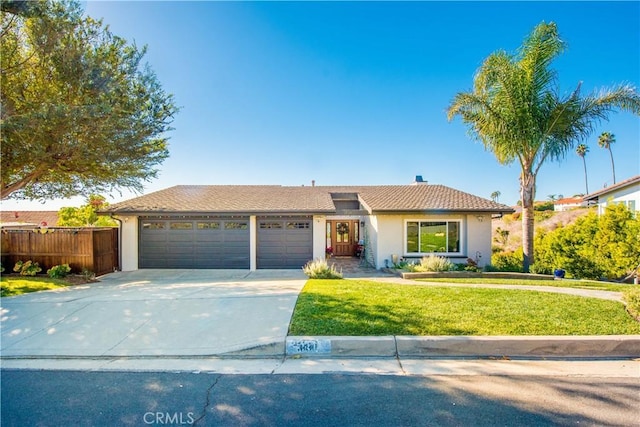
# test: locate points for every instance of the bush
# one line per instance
(543, 206)
(631, 298)
(59, 271)
(88, 274)
(434, 263)
(402, 265)
(592, 247)
(507, 261)
(28, 268)
(319, 269)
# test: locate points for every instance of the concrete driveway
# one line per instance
(155, 313)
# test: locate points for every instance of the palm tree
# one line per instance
(495, 195)
(605, 140)
(515, 109)
(582, 151)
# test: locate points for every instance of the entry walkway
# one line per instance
(353, 267)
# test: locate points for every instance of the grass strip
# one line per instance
(13, 285)
(363, 308)
(565, 283)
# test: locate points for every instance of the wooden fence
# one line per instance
(93, 249)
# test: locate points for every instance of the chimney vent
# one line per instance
(419, 180)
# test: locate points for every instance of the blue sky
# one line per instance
(356, 93)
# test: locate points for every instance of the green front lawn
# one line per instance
(359, 307)
(566, 283)
(17, 285)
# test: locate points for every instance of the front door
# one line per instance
(344, 236)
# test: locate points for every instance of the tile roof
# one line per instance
(28, 217)
(424, 197)
(228, 199)
(279, 199)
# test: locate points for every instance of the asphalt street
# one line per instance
(56, 398)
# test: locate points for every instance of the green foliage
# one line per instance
(88, 274)
(631, 298)
(434, 263)
(506, 261)
(12, 286)
(27, 268)
(543, 206)
(319, 269)
(402, 265)
(86, 215)
(518, 112)
(59, 271)
(81, 112)
(503, 236)
(592, 247)
(360, 308)
(1, 268)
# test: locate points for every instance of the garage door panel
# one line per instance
(156, 237)
(177, 239)
(284, 243)
(209, 243)
(209, 238)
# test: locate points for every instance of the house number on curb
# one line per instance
(308, 346)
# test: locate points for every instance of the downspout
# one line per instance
(119, 240)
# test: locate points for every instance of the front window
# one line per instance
(432, 237)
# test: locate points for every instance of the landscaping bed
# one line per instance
(470, 275)
(15, 284)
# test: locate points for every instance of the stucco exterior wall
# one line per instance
(622, 195)
(129, 243)
(319, 236)
(389, 236)
(384, 237)
(479, 235)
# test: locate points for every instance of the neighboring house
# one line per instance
(252, 227)
(627, 192)
(28, 218)
(568, 203)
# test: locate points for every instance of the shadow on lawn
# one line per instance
(319, 314)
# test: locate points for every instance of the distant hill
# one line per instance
(548, 220)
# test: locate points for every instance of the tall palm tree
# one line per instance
(582, 150)
(605, 140)
(515, 109)
(495, 195)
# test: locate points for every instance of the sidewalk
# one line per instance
(145, 316)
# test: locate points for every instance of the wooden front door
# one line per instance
(344, 236)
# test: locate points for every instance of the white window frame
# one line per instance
(461, 235)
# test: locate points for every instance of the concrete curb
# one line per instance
(608, 346)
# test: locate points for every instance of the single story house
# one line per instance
(269, 226)
(627, 192)
(568, 203)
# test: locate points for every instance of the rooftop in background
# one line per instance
(21, 218)
(627, 182)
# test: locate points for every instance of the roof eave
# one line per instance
(139, 212)
(440, 211)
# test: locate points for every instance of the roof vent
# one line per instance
(419, 180)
